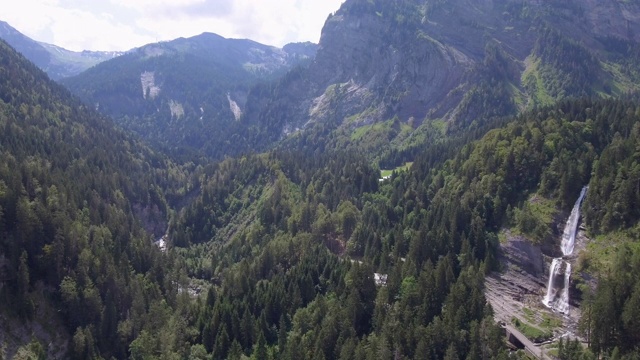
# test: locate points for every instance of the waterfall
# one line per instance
(562, 304)
(569, 233)
(552, 287)
(552, 300)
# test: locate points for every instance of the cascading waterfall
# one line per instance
(552, 288)
(562, 304)
(552, 300)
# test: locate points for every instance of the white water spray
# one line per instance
(552, 300)
(552, 289)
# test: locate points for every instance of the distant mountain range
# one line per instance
(187, 94)
(54, 60)
(383, 71)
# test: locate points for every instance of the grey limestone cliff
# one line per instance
(457, 60)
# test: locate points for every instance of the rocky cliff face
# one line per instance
(458, 60)
(407, 70)
(619, 18)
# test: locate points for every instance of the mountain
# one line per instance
(187, 94)
(55, 61)
(383, 68)
(66, 63)
(415, 247)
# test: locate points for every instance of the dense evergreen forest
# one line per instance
(79, 202)
(303, 252)
(432, 231)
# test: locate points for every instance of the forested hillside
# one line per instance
(295, 252)
(80, 203)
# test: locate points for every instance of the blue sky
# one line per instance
(124, 24)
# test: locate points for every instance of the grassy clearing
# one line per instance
(533, 81)
(381, 129)
(535, 219)
(405, 167)
(529, 315)
(622, 83)
(602, 251)
(532, 332)
(550, 321)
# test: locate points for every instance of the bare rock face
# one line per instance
(523, 264)
(613, 18)
(525, 255)
(397, 67)
(427, 60)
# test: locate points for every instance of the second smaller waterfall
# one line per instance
(562, 303)
(552, 287)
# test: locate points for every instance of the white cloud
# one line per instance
(124, 24)
(32, 17)
(269, 22)
(81, 30)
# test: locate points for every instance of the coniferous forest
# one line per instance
(296, 247)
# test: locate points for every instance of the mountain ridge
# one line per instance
(187, 95)
(56, 61)
(456, 61)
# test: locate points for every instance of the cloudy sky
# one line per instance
(124, 24)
